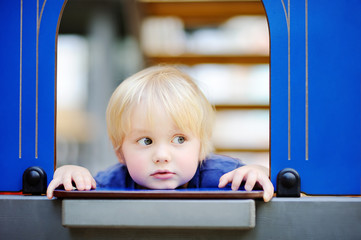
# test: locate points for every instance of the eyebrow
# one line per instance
(139, 131)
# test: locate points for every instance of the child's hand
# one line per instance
(67, 174)
(251, 174)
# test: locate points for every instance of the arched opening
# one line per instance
(223, 46)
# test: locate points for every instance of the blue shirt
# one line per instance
(206, 176)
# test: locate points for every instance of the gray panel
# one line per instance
(331, 218)
(191, 214)
(30, 217)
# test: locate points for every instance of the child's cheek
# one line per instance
(188, 165)
(136, 171)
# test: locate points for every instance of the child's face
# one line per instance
(159, 156)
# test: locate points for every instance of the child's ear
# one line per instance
(119, 155)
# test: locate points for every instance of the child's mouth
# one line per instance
(162, 174)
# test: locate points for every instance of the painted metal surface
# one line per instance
(27, 77)
(315, 93)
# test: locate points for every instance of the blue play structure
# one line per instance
(28, 73)
(315, 91)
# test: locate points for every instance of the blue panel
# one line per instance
(315, 93)
(27, 78)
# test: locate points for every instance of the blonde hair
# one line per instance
(167, 88)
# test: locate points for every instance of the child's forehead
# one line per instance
(149, 116)
(144, 108)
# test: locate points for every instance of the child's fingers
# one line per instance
(225, 179)
(65, 176)
(83, 180)
(52, 185)
(89, 182)
(268, 194)
(67, 182)
(251, 176)
(251, 180)
(267, 187)
(237, 179)
(78, 179)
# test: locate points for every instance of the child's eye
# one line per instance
(145, 141)
(179, 139)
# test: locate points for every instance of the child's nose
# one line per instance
(162, 155)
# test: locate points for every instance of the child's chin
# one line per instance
(163, 186)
